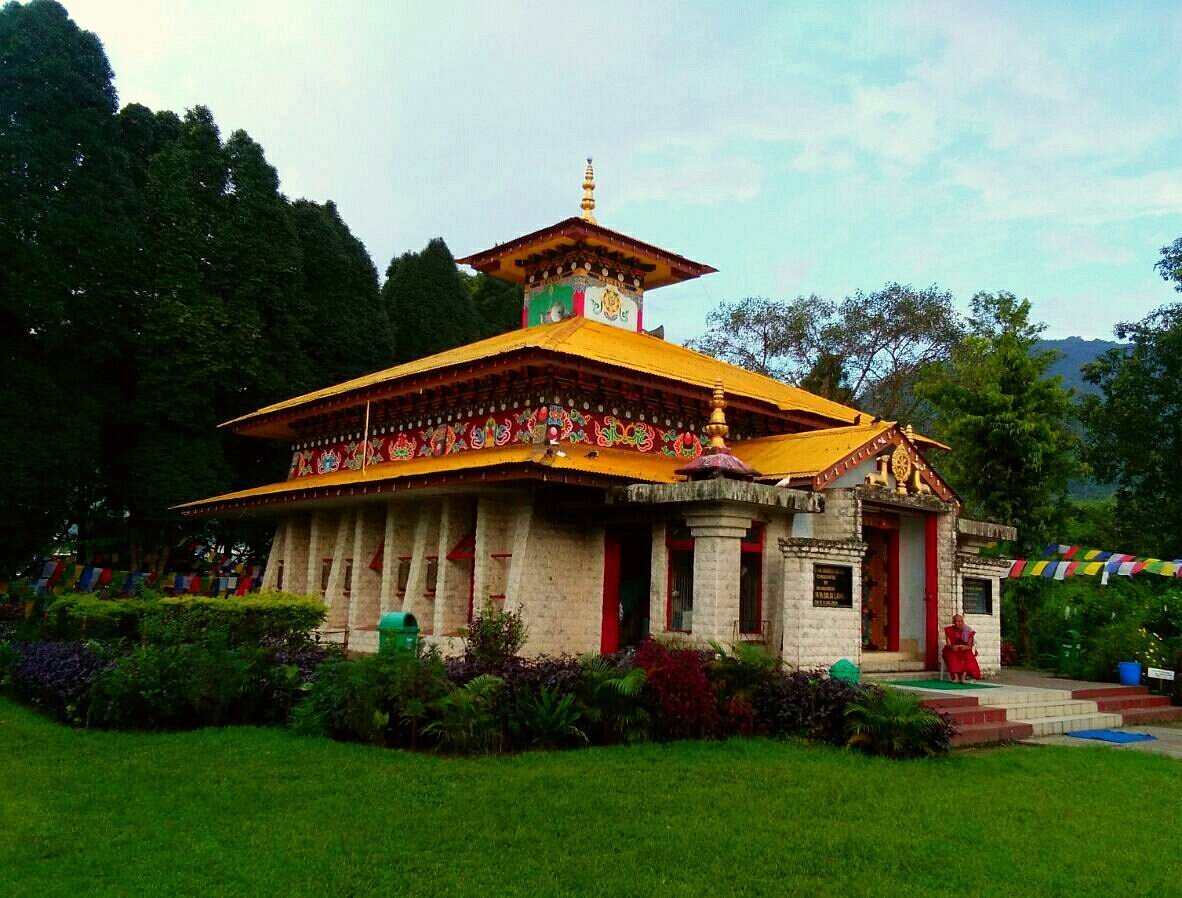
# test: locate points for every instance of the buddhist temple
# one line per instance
(612, 485)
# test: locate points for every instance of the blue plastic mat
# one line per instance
(1112, 736)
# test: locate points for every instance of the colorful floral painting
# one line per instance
(614, 432)
(487, 431)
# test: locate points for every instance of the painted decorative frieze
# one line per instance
(540, 424)
(610, 301)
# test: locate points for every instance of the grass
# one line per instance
(263, 812)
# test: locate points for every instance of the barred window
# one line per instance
(679, 611)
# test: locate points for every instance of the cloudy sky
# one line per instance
(798, 148)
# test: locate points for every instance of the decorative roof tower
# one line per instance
(578, 268)
(716, 459)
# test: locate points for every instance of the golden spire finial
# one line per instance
(588, 203)
(718, 429)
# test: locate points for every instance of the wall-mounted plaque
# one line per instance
(833, 586)
(978, 595)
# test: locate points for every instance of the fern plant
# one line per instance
(894, 724)
(612, 696)
(466, 719)
(551, 718)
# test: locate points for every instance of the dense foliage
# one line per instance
(157, 282)
(1009, 424)
(270, 618)
(153, 663)
(1134, 435)
(867, 350)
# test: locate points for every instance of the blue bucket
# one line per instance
(1130, 672)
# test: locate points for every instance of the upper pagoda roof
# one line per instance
(508, 261)
(577, 340)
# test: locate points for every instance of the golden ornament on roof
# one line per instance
(901, 465)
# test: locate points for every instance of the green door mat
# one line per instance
(940, 684)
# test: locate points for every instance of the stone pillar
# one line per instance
(454, 583)
(368, 535)
(334, 596)
(277, 554)
(658, 585)
(718, 534)
(420, 590)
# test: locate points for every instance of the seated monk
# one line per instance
(960, 657)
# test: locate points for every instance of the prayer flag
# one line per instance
(1072, 567)
(1061, 569)
(1049, 569)
(1016, 567)
(1070, 553)
(1092, 568)
(1126, 568)
(1037, 569)
(105, 576)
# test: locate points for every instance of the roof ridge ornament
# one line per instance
(716, 459)
(588, 203)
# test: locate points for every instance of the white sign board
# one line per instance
(1156, 673)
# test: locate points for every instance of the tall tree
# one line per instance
(869, 349)
(1134, 434)
(1009, 425)
(429, 307)
(60, 195)
(348, 324)
(498, 303)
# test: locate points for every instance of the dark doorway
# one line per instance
(627, 568)
(880, 584)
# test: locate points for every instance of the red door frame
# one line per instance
(609, 636)
(931, 594)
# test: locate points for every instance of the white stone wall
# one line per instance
(818, 637)
(988, 626)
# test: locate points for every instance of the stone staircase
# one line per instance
(1007, 713)
(978, 724)
(1133, 703)
(891, 663)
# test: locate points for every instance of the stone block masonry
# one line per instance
(817, 637)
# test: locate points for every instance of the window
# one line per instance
(432, 574)
(279, 576)
(348, 576)
(751, 581)
(325, 570)
(978, 595)
(403, 573)
(679, 611)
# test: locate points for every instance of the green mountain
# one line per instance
(1074, 353)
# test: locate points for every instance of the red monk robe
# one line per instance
(960, 657)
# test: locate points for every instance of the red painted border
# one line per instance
(931, 554)
(754, 548)
(893, 589)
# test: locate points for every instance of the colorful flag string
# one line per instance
(1075, 561)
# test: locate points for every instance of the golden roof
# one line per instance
(624, 464)
(806, 454)
(581, 338)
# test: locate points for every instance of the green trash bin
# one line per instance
(398, 631)
(845, 670)
(1069, 653)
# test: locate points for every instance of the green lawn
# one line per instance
(262, 812)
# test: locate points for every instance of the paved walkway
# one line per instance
(1168, 741)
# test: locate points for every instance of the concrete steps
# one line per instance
(977, 724)
(1138, 716)
(1069, 723)
(891, 662)
(1134, 704)
(991, 733)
